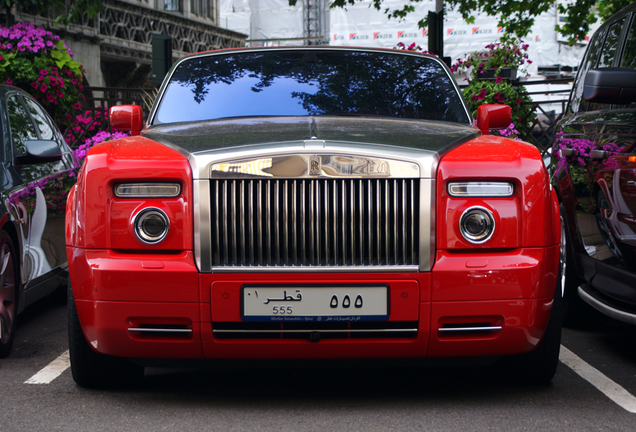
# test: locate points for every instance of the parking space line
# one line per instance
(51, 371)
(609, 388)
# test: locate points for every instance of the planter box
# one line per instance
(507, 73)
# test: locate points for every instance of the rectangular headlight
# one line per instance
(480, 189)
(147, 190)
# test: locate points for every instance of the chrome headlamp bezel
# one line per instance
(142, 233)
(490, 225)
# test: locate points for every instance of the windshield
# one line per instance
(310, 83)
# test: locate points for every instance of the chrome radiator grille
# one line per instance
(314, 223)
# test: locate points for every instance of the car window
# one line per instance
(591, 59)
(629, 52)
(22, 129)
(310, 83)
(41, 120)
(611, 44)
(608, 54)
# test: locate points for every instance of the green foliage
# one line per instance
(480, 92)
(607, 8)
(70, 9)
(510, 52)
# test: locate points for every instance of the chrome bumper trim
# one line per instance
(469, 329)
(159, 330)
(321, 331)
(308, 269)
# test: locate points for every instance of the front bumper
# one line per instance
(160, 306)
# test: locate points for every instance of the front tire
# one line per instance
(91, 369)
(8, 293)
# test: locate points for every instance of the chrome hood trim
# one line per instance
(314, 159)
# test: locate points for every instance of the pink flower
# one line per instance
(9, 82)
(43, 88)
(498, 79)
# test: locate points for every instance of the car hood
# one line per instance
(227, 133)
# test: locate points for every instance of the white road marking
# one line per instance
(609, 388)
(51, 371)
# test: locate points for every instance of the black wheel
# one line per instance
(92, 369)
(9, 283)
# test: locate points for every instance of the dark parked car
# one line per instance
(595, 175)
(37, 171)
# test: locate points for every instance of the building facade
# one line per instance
(115, 46)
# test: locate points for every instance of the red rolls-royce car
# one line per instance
(311, 203)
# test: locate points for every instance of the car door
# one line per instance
(37, 198)
(598, 145)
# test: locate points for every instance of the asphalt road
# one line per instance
(379, 398)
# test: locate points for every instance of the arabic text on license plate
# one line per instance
(325, 303)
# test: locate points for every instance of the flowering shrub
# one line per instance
(499, 92)
(509, 132)
(38, 62)
(508, 52)
(581, 167)
(89, 123)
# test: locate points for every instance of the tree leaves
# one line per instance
(515, 17)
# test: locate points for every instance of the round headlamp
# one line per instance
(477, 225)
(151, 225)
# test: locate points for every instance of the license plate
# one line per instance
(324, 303)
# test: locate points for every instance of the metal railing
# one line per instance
(541, 129)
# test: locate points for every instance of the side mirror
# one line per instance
(610, 86)
(126, 118)
(39, 151)
(493, 117)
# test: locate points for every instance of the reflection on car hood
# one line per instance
(216, 134)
